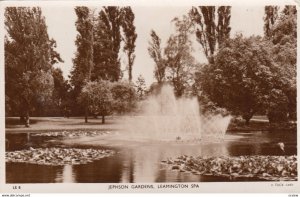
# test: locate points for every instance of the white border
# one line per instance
(215, 187)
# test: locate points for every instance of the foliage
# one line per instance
(271, 15)
(180, 64)
(98, 97)
(210, 31)
(107, 44)
(105, 97)
(98, 46)
(140, 87)
(124, 96)
(174, 63)
(129, 37)
(155, 53)
(60, 98)
(277, 106)
(83, 61)
(283, 46)
(29, 56)
(242, 76)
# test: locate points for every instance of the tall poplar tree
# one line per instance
(210, 32)
(107, 44)
(129, 37)
(83, 61)
(271, 15)
(155, 52)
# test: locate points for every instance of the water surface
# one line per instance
(141, 162)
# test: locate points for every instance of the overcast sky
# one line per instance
(61, 26)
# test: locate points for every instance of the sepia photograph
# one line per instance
(149, 97)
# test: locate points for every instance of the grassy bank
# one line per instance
(46, 124)
(260, 123)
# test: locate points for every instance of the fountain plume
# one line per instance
(165, 118)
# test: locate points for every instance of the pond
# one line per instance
(140, 161)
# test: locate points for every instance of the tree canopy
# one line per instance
(241, 77)
(29, 56)
(211, 32)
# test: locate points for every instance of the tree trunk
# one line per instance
(86, 115)
(247, 116)
(129, 68)
(247, 121)
(27, 119)
(103, 119)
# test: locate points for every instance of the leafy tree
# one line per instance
(105, 97)
(140, 87)
(283, 38)
(124, 96)
(241, 77)
(155, 53)
(129, 37)
(277, 106)
(99, 97)
(83, 61)
(60, 95)
(180, 64)
(107, 44)
(209, 31)
(29, 56)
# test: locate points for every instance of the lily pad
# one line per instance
(57, 156)
(273, 168)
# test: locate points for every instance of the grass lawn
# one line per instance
(46, 124)
(38, 124)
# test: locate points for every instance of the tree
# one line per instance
(60, 95)
(105, 97)
(124, 96)
(241, 77)
(210, 32)
(83, 61)
(271, 15)
(107, 44)
(99, 97)
(129, 37)
(283, 45)
(29, 56)
(155, 53)
(140, 87)
(180, 64)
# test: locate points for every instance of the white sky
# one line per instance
(61, 26)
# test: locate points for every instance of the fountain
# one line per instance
(165, 118)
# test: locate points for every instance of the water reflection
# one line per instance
(32, 173)
(67, 175)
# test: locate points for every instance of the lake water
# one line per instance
(141, 162)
